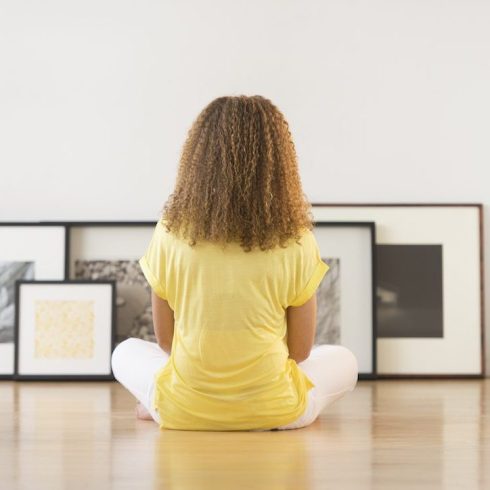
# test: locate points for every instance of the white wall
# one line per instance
(388, 101)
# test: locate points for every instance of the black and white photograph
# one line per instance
(9, 273)
(133, 301)
(409, 291)
(328, 328)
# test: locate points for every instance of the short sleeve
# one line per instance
(153, 262)
(309, 270)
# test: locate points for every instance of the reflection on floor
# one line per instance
(389, 434)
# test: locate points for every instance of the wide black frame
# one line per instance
(371, 225)
(62, 377)
(32, 224)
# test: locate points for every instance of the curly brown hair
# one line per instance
(238, 178)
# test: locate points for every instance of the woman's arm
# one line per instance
(301, 324)
(163, 322)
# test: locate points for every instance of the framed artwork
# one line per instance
(429, 290)
(109, 250)
(64, 330)
(29, 250)
(346, 307)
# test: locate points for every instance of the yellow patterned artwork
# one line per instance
(64, 329)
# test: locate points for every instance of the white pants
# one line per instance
(332, 368)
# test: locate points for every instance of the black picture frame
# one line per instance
(17, 376)
(371, 226)
(40, 225)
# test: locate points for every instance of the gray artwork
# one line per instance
(328, 305)
(409, 291)
(9, 273)
(133, 299)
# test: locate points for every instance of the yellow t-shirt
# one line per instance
(229, 367)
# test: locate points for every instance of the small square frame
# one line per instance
(47, 376)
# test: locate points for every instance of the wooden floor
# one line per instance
(385, 434)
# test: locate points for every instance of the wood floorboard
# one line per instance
(386, 434)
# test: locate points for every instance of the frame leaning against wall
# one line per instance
(350, 295)
(110, 250)
(458, 229)
(71, 356)
(106, 232)
(25, 242)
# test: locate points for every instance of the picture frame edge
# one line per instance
(480, 208)
(16, 376)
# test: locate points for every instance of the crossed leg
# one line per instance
(135, 363)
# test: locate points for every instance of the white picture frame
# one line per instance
(457, 228)
(41, 247)
(64, 330)
(346, 309)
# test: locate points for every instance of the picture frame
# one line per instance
(425, 237)
(29, 250)
(64, 330)
(110, 250)
(346, 305)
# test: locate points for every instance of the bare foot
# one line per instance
(142, 413)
